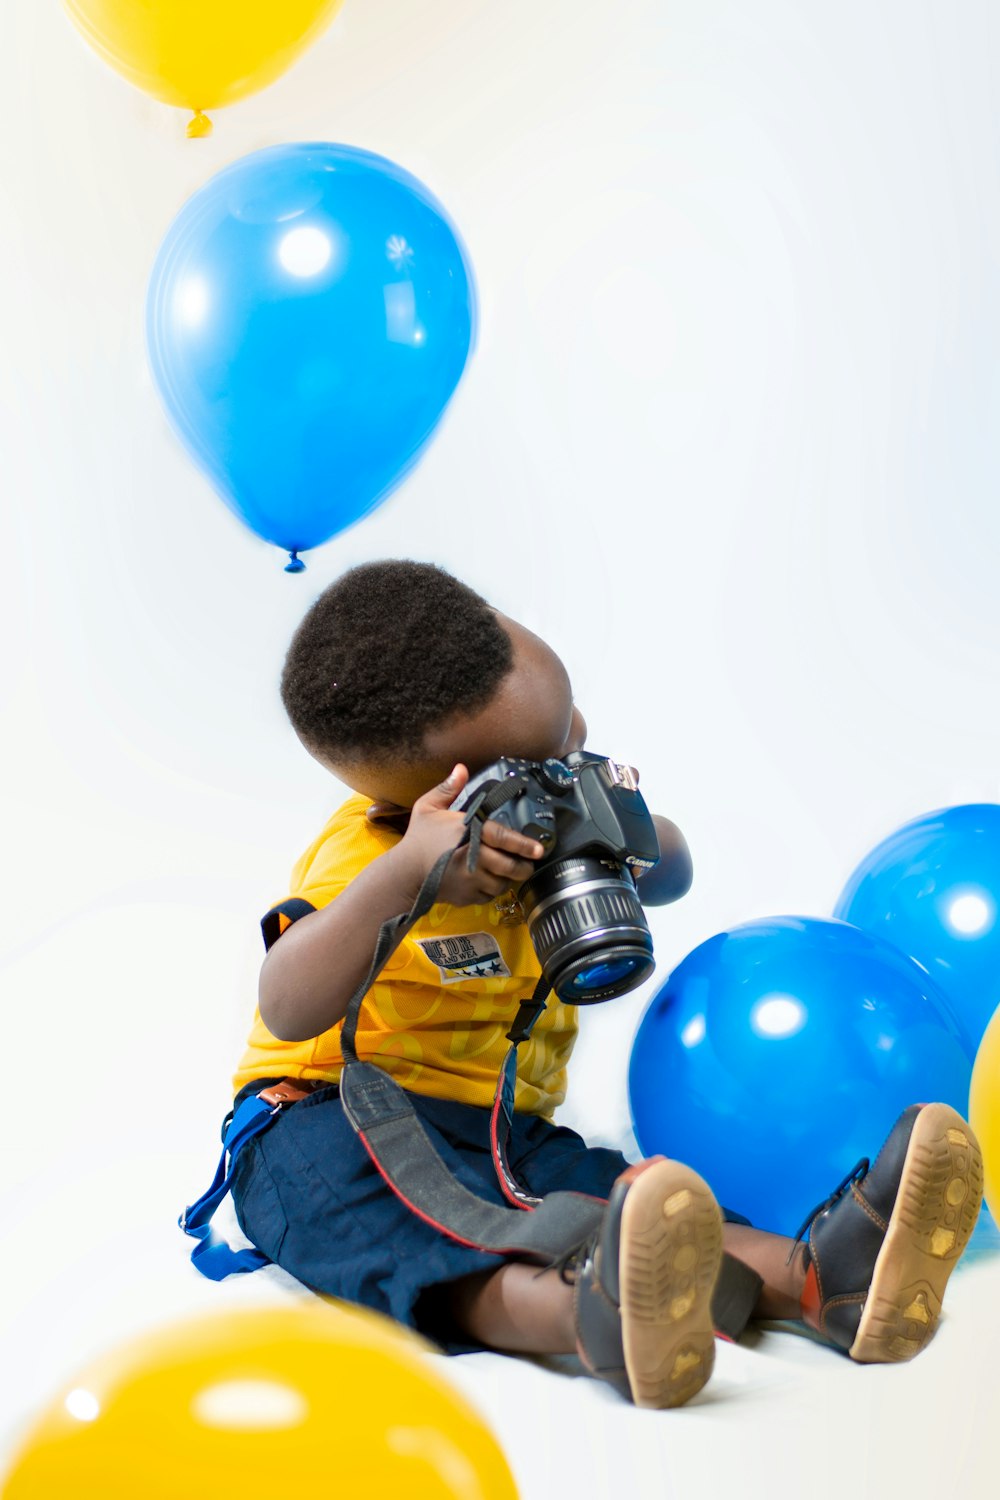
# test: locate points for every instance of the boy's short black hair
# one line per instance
(388, 651)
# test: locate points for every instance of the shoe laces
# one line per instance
(568, 1263)
(854, 1175)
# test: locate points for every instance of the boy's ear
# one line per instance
(390, 814)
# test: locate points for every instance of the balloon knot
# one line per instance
(294, 563)
(198, 126)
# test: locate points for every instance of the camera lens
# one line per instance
(588, 928)
(598, 976)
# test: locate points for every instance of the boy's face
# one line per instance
(532, 714)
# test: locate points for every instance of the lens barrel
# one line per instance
(588, 928)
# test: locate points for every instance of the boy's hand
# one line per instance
(505, 856)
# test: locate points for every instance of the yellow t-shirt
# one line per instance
(437, 1016)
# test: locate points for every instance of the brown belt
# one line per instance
(291, 1090)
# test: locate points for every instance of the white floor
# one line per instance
(90, 1257)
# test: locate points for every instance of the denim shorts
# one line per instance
(307, 1195)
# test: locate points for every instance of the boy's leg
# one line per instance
(870, 1276)
(768, 1255)
(634, 1301)
(521, 1310)
(517, 1309)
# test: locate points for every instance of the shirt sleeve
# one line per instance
(342, 851)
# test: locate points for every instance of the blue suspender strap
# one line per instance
(212, 1256)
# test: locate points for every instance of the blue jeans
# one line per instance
(307, 1194)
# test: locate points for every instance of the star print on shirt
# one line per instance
(493, 968)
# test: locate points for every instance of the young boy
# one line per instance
(403, 682)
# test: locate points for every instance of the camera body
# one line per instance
(584, 917)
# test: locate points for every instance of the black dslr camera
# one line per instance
(587, 926)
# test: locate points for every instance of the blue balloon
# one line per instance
(932, 888)
(309, 315)
(778, 1054)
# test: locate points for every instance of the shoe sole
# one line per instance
(937, 1204)
(670, 1250)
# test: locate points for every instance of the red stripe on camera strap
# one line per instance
(502, 1117)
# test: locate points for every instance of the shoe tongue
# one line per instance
(857, 1172)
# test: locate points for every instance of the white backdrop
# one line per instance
(728, 443)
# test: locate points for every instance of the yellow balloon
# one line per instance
(201, 53)
(984, 1110)
(262, 1402)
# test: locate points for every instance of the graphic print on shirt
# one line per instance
(472, 955)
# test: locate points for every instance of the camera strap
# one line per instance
(491, 796)
(393, 1134)
(542, 1230)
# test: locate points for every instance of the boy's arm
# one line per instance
(671, 878)
(312, 971)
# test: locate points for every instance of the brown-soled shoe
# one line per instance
(881, 1248)
(644, 1284)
